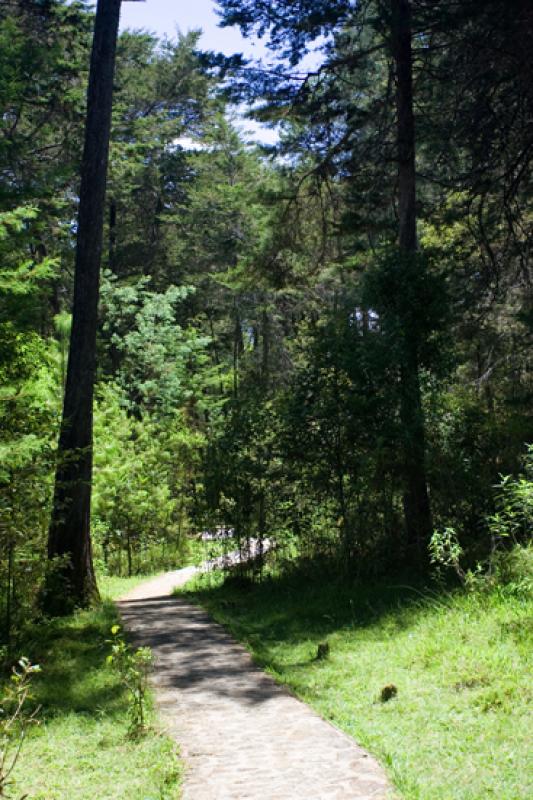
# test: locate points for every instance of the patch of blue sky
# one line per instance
(167, 17)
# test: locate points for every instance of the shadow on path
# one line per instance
(242, 737)
(207, 654)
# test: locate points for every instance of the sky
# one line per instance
(165, 17)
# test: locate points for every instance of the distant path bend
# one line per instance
(242, 736)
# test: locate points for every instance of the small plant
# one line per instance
(133, 667)
(509, 566)
(513, 518)
(15, 721)
(446, 551)
(512, 571)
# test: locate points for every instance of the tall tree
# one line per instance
(69, 534)
(416, 499)
(355, 36)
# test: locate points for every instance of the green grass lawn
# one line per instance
(81, 749)
(460, 725)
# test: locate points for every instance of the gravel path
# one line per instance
(242, 736)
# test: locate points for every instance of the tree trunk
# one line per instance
(416, 499)
(69, 534)
(112, 243)
(238, 347)
(265, 360)
(128, 551)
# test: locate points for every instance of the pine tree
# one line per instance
(69, 535)
(351, 42)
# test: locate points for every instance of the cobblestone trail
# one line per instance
(242, 736)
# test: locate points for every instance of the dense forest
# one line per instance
(325, 343)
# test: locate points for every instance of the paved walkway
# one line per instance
(242, 737)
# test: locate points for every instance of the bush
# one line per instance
(510, 564)
(133, 667)
(513, 518)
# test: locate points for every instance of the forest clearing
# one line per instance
(266, 399)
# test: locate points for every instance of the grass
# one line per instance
(460, 724)
(81, 748)
(111, 587)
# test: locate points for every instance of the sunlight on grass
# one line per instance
(459, 726)
(81, 749)
(111, 587)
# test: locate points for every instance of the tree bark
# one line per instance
(265, 359)
(69, 533)
(416, 503)
(112, 234)
(238, 348)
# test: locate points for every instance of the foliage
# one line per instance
(28, 409)
(407, 296)
(446, 551)
(44, 48)
(508, 567)
(133, 667)
(513, 518)
(512, 572)
(452, 317)
(141, 502)
(15, 720)
(158, 363)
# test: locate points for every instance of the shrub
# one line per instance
(133, 667)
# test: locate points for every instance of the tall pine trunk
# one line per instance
(416, 499)
(69, 534)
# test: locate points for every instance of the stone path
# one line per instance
(242, 736)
